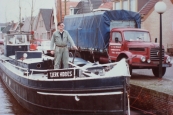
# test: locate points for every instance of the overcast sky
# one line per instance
(9, 9)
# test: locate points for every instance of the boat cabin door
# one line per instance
(115, 45)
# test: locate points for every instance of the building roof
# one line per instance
(14, 26)
(3, 24)
(6, 29)
(86, 6)
(68, 5)
(172, 1)
(46, 15)
(27, 24)
(107, 5)
(148, 6)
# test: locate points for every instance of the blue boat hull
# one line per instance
(56, 97)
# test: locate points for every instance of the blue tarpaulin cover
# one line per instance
(92, 30)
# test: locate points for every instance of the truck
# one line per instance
(109, 36)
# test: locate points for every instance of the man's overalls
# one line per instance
(61, 50)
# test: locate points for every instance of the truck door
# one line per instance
(115, 45)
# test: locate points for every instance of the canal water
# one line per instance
(8, 105)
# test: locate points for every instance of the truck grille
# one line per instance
(136, 49)
(154, 54)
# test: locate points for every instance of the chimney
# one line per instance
(12, 22)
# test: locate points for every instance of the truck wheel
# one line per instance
(156, 71)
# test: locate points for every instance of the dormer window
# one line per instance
(133, 5)
(117, 5)
(73, 10)
(125, 5)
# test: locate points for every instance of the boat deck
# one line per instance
(42, 74)
(33, 60)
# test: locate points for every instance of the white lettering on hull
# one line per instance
(61, 74)
(66, 74)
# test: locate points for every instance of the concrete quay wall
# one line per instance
(153, 95)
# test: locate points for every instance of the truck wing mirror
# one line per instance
(155, 40)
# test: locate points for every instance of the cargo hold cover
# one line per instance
(92, 30)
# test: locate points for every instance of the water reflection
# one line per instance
(8, 105)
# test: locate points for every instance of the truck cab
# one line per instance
(136, 43)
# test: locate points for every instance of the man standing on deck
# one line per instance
(60, 38)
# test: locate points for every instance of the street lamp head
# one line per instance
(160, 7)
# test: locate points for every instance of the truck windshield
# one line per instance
(137, 36)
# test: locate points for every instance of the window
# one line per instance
(137, 36)
(116, 35)
(10, 39)
(41, 23)
(125, 5)
(44, 36)
(71, 11)
(133, 5)
(2, 28)
(53, 20)
(35, 35)
(40, 36)
(16, 39)
(20, 39)
(117, 6)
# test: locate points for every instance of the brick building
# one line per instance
(150, 18)
(151, 22)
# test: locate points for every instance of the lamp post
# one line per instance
(160, 7)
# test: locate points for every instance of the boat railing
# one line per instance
(84, 70)
(18, 67)
(26, 69)
(76, 67)
(99, 65)
(15, 65)
(37, 70)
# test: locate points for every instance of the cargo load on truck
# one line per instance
(92, 30)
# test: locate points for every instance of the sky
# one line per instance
(9, 9)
